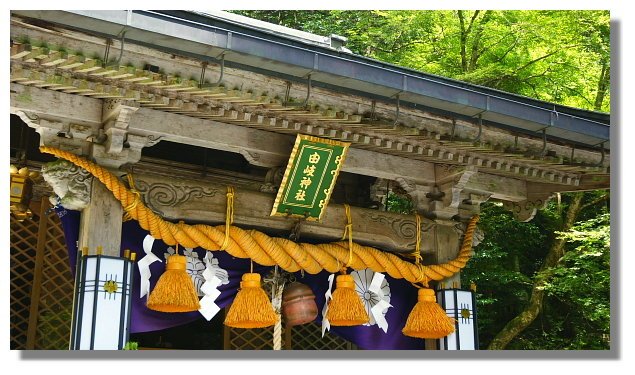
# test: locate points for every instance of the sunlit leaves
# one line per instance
(582, 278)
(557, 56)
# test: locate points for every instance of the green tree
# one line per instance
(544, 284)
(579, 286)
(503, 265)
(540, 54)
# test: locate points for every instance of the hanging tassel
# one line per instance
(251, 307)
(427, 320)
(346, 307)
(175, 290)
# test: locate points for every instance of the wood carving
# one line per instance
(70, 183)
(159, 194)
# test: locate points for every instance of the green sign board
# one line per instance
(310, 176)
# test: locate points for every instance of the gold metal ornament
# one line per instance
(465, 313)
(21, 192)
(110, 286)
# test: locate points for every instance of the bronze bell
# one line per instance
(298, 304)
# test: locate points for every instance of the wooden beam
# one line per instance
(265, 148)
(203, 201)
(259, 147)
(587, 183)
(334, 102)
(54, 105)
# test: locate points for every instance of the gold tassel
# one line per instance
(175, 290)
(346, 307)
(427, 320)
(251, 307)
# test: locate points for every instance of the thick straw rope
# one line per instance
(265, 250)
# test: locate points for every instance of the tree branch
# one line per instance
(523, 320)
(600, 199)
(477, 39)
(469, 28)
(508, 50)
(463, 38)
(543, 57)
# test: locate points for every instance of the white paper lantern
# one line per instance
(101, 305)
(460, 305)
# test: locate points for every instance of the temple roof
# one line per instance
(294, 56)
(289, 82)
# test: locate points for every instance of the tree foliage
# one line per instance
(580, 285)
(399, 203)
(509, 263)
(503, 265)
(540, 54)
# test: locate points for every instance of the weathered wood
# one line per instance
(197, 201)
(448, 245)
(37, 275)
(484, 159)
(431, 344)
(55, 105)
(393, 156)
(499, 187)
(369, 163)
(336, 102)
(100, 223)
(288, 342)
(265, 148)
(259, 147)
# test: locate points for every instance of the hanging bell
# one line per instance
(298, 304)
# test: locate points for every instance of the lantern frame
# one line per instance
(449, 299)
(97, 297)
(21, 192)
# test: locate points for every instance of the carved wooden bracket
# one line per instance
(96, 128)
(527, 209)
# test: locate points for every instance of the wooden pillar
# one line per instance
(100, 223)
(447, 242)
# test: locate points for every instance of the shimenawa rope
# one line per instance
(268, 251)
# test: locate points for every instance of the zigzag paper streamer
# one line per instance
(325, 322)
(209, 308)
(144, 265)
(378, 310)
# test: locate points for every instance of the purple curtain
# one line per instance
(403, 295)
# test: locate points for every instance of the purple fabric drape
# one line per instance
(403, 295)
